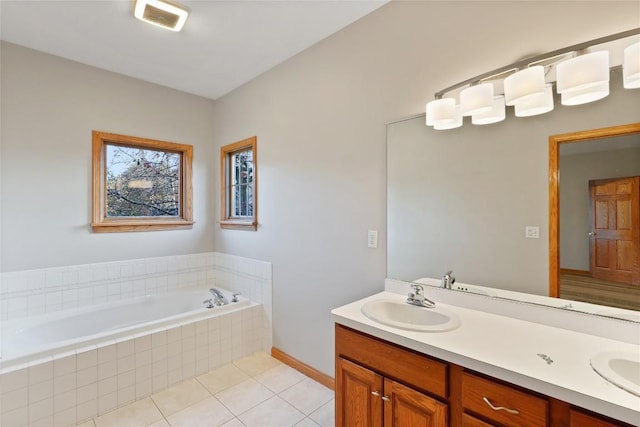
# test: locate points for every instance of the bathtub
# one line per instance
(31, 338)
(101, 357)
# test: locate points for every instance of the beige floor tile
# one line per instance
(280, 378)
(209, 412)
(138, 414)
(244, 396)
(233, 423)
(308, 395)
(307, 422)
(161, 423)
(88, 423)
(180, 396)
(222, 378)
(257, 363)
(274, 412)
(325, 415)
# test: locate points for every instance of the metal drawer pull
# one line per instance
(500, 408)
(375, 393)
(385, 398)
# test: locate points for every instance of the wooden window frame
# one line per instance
(226, 221)
(101, 223)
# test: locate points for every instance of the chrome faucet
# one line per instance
(448, 280)
(218, 297)
(417, 297)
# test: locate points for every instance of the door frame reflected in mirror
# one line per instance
(554, 189)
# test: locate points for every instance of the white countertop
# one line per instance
(508, 348)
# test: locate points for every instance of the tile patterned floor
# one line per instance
(257, 391)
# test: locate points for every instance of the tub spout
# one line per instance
(218, 297)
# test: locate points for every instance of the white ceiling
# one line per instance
(223, 45)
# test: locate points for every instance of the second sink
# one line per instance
(404, 316)
(621, 369)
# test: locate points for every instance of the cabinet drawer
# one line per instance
(478, 394)
(580, 419)
(405, 366)
(469, 421)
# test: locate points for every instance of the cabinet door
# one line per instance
(358, 396)
(405, 407)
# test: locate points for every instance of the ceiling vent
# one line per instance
(163, 13)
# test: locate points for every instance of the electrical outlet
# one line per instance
(532, 232)
(372, 239)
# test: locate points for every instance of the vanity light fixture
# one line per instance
(442, 112)
(476, 99)
(524, 84)
(162, 13)
(538, 104)
(495, 115)
(631, 66)
(580, 73)
(584, 78)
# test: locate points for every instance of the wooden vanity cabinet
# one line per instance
(388, 386)
(383, 384)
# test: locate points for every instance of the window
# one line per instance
(140, 184)
(239, 185)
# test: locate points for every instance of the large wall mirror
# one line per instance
(463, 199)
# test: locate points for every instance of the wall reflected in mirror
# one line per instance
(462, 199)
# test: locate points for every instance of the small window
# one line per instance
(239, 185)
(140, 184)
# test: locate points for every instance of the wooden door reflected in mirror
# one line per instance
(594, 241)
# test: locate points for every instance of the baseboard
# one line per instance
(312, 373)
(575, 272)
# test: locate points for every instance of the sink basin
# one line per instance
(410, 317)
(620, 369)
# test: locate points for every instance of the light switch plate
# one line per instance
(532, 232)
(372, 238)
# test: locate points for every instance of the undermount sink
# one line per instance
(620, 369)
(410, 317)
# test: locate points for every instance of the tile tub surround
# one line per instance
(253, 391)
(73, 387)
(32, 292)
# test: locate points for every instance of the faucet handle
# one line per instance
(417, 288)
(235, 297)
(209, 303)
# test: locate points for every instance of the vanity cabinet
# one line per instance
(379, 383)
(369, 400)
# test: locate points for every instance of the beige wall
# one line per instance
(49, 108)
(320, 120)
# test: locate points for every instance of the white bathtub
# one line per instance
(25, 340)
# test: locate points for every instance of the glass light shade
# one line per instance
(631, 66)
(535, 105)
(583, 72)
(454, 124)
(524, 84)
(496, 114)
(476, 99)
(441, 112)
(583, 96)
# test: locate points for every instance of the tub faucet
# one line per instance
(218, 297)
(448, 280)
